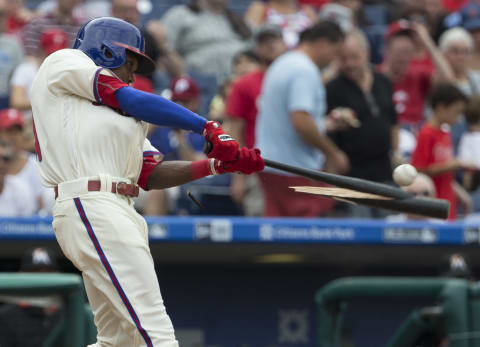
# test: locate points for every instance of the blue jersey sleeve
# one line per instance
(157, 110)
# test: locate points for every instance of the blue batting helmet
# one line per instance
(106, 39)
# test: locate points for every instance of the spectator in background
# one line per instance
(469, 150)
(434, 155)
(457, 47)
(51, 40)
(473, 27)
(18, 16)
(244, 62)
(354, 5)
(242, 99)
(429, 13)
(340, 14)
(156, 47)
(435, 13)
(175, 145)
(61, 17)
(212, 192)
(316, 4)
(467, 17)
(369, 95)
(89, 9)
(453, 5)
(23, 164)
(170, 142)
(407, 8)
(15, 197)
(286, 14)
(291, 122)
(126, 10)
(216, 109)
(411, 78)
(28, 321)
(11, 55)
(242, 113)
(422, 186)
(207, 35)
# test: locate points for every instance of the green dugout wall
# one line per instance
(77, 328)
(458, 306)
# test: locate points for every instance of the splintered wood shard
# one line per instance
(339, 193)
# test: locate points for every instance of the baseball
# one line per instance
(404, 174)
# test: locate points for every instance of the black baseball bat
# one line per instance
(402, 201)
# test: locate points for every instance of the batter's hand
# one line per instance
(248, 161)
(222, 146)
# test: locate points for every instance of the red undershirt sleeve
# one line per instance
(149, 163)
(106, 86)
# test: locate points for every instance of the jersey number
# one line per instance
(37, 146)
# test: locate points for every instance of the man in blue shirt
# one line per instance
(291, 122)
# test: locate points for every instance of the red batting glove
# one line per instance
(247, 162)
(223, 146)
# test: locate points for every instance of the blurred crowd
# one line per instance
(345, 86)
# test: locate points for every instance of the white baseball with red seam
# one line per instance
(404, 174)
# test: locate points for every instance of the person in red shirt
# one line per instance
(433, 154)
(411, 75)
(242, 99)
(18, 15)
(453, 5)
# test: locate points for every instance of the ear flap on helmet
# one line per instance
(110, 55)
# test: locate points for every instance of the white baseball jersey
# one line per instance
(84, 138)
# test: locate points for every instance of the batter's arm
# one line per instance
(157, 110)
(174, 173)
(171, 174)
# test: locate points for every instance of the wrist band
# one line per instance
(203, 168)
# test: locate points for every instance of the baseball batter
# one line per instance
(90, 130)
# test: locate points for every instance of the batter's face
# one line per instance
(126, 72)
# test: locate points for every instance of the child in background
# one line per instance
(469, 149)
(244, 62)
(433, 154)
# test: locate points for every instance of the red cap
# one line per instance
(53, 40)
(184, 89)
(401, 26)
(10, 117)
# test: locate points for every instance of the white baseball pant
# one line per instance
(107, 240)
